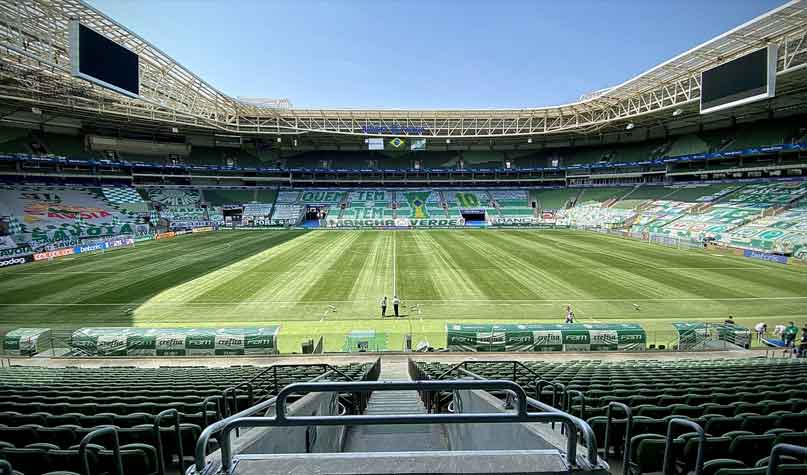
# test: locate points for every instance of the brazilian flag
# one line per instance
(417, 201)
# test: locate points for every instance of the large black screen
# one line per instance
(100, 59)
(741, 80)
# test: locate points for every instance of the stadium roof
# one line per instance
(35, 72)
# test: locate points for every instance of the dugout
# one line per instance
(125, 341)
(545, 337)
(26, 341)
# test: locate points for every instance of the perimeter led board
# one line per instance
(746, 79)
(98, 59)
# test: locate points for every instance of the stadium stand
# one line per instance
(734, 209)
(51, 214)
(741, 427)
(458, 202)
(46, 412)
(218, 197)
(368, 204)
(512, 202)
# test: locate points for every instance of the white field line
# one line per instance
(394, 264)
(431, 301)
(753, 269)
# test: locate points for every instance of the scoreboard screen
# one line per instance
(746, 79)
(98, 59)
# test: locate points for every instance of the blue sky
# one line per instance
(425, 54)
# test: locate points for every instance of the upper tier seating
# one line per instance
(45, 412)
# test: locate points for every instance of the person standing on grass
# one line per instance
(791, 331)
(384, 307)
(569, 314)
(395, 302)
(761, 329)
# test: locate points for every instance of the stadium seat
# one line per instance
(750, 448)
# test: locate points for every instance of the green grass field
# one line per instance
(290, 278)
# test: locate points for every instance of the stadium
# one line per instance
(197, 283)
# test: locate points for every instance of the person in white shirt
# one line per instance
(395, 302)
(569, 314)
(761, 328)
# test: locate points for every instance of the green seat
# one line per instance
(711, 467)
(713, 448)
(27, 461)
(62, 436)
(788, 469)
(722, 409)
(794, 438)
(68, 461)
(647, 453)
(795, 421)
(750, 448)
(759, 424)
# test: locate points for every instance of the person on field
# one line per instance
(803, 343)
(569, 314)
(761, 328)
(730, 320)
(384, 307)
(395, 303)
(791, 331)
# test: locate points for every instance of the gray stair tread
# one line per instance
(421, 462)
(398, 437)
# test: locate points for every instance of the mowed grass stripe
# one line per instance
(171, 263)
(673, 282)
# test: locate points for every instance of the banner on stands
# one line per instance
(14, 261)
(51, 254)
(513, 221)
(167, 235)
(203, 229)
(765, 256)
(16, 251)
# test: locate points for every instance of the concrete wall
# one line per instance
(290, 440)
(517, 436)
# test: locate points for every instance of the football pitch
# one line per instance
(330, 283)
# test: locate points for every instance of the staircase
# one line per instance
(398, 438)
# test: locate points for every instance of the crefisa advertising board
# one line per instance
(545, 337)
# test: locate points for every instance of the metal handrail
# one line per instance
(783, 449)
(212, 429)
(628, 424)
(82, 448)
(582, 426)
(158, 433)
(5, 468)
(250, 383)
(282, 419)
(205, 403)
(539, 386)
(668, 449)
